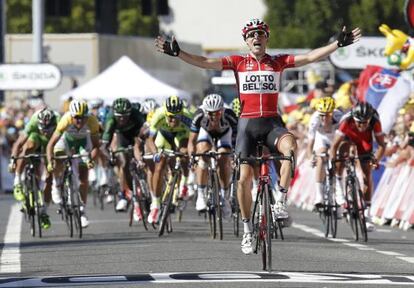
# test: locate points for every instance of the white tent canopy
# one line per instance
(125, 79)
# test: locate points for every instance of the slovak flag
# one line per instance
(386, 90)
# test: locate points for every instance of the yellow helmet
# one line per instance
(78, 108)
(325, 105)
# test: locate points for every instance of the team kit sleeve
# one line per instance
(285, 61)
(313, 125)
(231, 62)
(32, 125)
(93, 125)
(196, 123)
(109, 129)
(156, 121)
(63, 123)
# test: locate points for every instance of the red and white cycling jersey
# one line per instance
(258, 82)
(363, 140)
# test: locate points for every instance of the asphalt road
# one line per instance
(113, 254)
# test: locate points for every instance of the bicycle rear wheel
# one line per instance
(166, 206)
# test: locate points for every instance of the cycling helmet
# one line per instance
(78, 108)
(122, 106)
(235, 106)
(325, 105)
(363, 111)
(212, 103)
(46, 118)
(95, 103)
(255, 24)
(173, 105)
(149, 105)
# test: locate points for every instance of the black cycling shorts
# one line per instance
(252, 130)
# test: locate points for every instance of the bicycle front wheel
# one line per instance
(361, 217)
(219, 203)
(166, 206)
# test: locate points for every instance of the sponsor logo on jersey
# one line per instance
(259, 82)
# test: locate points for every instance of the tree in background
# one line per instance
(309, 24)
(82, 18)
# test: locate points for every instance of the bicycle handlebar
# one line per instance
(68, 157)
(30, 156)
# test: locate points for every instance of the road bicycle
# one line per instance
(328, 212)
(141, 199)
(264, 221)
(33, 202)
(355, 204)
(169, 199)
(215, 201)
(70, 207)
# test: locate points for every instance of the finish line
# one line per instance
(206, 277)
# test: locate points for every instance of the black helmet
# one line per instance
(121, 107)
(363, 111)
(173, 105)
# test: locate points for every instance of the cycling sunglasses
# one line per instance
(255, 33)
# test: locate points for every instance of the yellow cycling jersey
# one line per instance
(159, 121)
(65, 125)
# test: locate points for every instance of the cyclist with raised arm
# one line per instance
(169, 129)
(360, 127)
(124, 125)
(34, 139)
(258, 78)
(322, 126)
(77, 132)
(213, 126)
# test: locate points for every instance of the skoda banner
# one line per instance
(367, 51)
(29, 76)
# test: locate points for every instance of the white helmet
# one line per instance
(212, 103)
(149, 105)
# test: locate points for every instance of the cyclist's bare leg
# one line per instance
(83, 183)
(158, 178)
(224, 168)
(319, 176)
(183, 149)
(285, 145)
(244, 192)
(201, 170)
(367, 184)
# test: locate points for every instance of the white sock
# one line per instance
(17, 179)
(247, 226)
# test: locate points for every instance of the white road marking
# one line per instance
(407, 259)
(390, 253)
(358, 246)
(10, 255)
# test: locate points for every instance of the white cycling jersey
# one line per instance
(323, 135)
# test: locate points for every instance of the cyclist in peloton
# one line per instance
(169, 129)
(321, 132)
(123, 128)
(76, 132)
(34, 139)
(358, 127)
(213, 125)
(258, 78)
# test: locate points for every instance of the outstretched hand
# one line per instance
(347, 38)
(170, 48)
